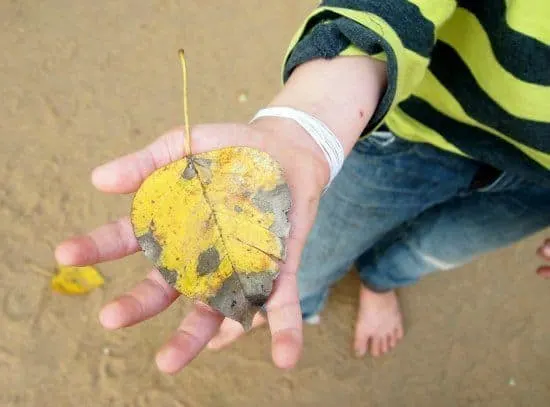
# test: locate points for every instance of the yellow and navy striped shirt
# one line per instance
(469, 76)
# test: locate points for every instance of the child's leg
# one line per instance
(385, 182)
(442, 237)
(453, 233)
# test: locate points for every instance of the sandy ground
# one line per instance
(83, 82)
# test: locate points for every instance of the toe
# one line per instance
(392, 341)
(360, 344)
(362, 335)
(383, 345)
(544, 250)
(399, 333)
(544, 271)
(375, 347)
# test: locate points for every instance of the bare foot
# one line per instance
(230, 331)
(544, 252)
(379, 323)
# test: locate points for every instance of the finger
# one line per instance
(285, 321)
(544, 271)
(231, 330)
(125, 174)
(150, 297)
(193, 334)
(544, 250)
(108, 242)
(283, 308)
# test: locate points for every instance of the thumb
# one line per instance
(125, 174)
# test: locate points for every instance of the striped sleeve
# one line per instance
(400, 32)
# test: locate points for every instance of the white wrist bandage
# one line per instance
(323, 136)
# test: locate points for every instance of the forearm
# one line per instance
(342, 92)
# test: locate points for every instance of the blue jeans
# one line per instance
(400, 210)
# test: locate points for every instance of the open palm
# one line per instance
(153, 295)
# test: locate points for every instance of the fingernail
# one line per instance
(285, 354)
(110, 316)
(61, 254)
(165, 360)
(97, 171)
(98, 174)
(359, 353)
(102, 176)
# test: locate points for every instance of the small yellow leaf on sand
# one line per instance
(74, 280)
(215, 224)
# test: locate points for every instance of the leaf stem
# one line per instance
(187, 140)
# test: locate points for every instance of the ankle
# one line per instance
(376, 292)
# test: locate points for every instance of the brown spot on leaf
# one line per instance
(209, 261)
(277, 201)
(170, 276)
(203, 162)
(150, 246)
(257, 286)
(202, 166)
(230, 300)
(189, 171)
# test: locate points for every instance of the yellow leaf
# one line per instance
(76, 280)
(215, 224)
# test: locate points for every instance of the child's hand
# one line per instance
(544, 252)
(343, 93)
(306, 172)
